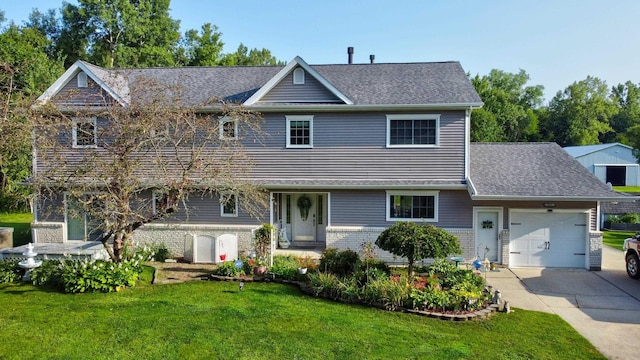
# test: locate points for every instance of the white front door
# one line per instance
(487, 223)
(304, 217)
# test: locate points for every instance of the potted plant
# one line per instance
(304, 264)
(262, 244)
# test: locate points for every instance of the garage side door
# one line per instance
(549, 239)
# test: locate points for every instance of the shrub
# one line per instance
(262, 241)
(417, 242)
(99, 276)
(388, 292)
(10, 271)
(630, 218)
(340, 263)
(48, 274)
(162, 253)
(228, 268)
(285, 267)
(325, 285)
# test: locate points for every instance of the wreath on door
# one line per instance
(304, 204)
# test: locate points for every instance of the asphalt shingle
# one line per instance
(529, 170)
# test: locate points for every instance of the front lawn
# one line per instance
(21, 224)
(207, 320)
(615, 239)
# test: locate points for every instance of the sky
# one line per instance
(557, 42)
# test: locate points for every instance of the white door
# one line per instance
(487, 234)
(548, 239)
(303, 216)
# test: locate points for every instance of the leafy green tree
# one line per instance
(203, 48)
(581, 114)
(25, 72)
(627, 99)
(417, 242)
(508, 111)
(254, 57)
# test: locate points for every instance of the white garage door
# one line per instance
(548, 239)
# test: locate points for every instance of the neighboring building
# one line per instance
(368, 145)
(611, 163)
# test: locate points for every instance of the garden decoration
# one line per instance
(304, 204)
(29, 264)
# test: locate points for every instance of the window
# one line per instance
(228, 205)
(161, 202)
(412, 206)
(412, 130)
(82, 80)
(228, 129)
(298, 76)
(300, 131)
(84, 132)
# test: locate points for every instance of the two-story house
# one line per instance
(353, 148)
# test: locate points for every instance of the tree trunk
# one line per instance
(410, 270)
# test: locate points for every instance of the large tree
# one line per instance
(627, 99)
(154, 145)
(25, 71)
(509, 107)
(581, 114)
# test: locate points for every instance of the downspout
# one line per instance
(467, 141)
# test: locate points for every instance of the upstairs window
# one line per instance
(84, 133)
(300, 131)
(228, 129)
(228, 205)
(412, 206)
(298, 76)
(412, 130)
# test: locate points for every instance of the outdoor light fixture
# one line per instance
(549, 205)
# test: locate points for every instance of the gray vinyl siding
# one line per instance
(368, 208)
(353, 146)
(507, 205)
(312, 91)
(92, 95)
(206, 210)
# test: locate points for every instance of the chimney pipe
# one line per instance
(372, 58)
(350, 52)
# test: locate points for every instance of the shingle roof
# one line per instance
(532, 170)
(366, 84)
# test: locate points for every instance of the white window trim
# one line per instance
(222, 213)
(224, 120)
(435, 195)
(75, 132)
(82, 80)
(155, 196)
(291, 118)
(435, 117)
(298, 76)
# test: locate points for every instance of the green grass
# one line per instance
(615, 239)
(21, 224)
(627, 188)
(213, 320)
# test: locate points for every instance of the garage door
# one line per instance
(548, 239)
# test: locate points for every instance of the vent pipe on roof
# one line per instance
(372, 58)
(350, 52)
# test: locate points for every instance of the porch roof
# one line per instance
(277, 184)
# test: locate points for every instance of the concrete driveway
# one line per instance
(603, 306)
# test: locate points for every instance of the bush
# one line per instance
(98, 276)
(339, 263)
(162, 253)
(391, 293)
(285, 267)
(228, 268)
(48, 274)
(630, 218)
(10, 271)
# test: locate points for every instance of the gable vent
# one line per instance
(298, 76)
(82, 80)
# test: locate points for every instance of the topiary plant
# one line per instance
(417, 241)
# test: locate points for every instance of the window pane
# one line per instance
(299, 133)
(412, 132)
(228, 129)
(229, 207)
(412, 207)
(85, 133)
